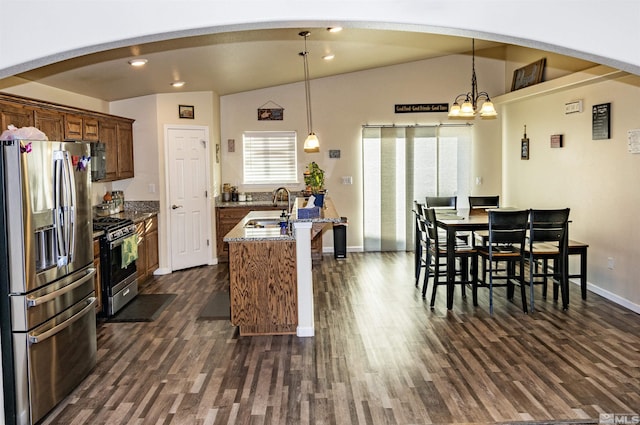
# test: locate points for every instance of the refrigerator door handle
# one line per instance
(34, 339)
(32, 302)
(62, 259)
(69, 206)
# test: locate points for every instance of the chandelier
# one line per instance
(311, 144)
(468, 108)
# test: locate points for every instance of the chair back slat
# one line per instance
(548, 225)
(484, 201)
(442, 202)
(430, 223)
(508, 227)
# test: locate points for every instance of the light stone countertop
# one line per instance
(242, 234)
(239, 233)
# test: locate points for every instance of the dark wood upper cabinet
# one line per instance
(60, 122)
(50, 123)
(17, 115)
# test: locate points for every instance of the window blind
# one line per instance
(269, 157)
(403, 164)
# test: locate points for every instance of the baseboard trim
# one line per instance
(611, 297)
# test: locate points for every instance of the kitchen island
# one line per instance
(271, 284)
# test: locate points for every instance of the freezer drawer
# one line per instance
(31, 310)
(53, 359)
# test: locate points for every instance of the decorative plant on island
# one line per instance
(314, 179)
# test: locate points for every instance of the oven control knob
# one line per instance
(175, 207)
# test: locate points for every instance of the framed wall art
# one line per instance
(524, 145)
(600, 121)
(528, 75)
(186, 111)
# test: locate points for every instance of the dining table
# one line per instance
(454, 222)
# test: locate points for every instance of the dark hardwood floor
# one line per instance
(380, 356)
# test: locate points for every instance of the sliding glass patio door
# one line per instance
(403, 164)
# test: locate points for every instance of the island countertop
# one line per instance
(240, 233)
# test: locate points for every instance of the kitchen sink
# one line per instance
(259, 223)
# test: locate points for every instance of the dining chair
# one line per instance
(442, 202)
(548, 241)
(421, 240)
(437, 259)
(480, 204)
(507, 233)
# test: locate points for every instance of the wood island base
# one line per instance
(263, 287)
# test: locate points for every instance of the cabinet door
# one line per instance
(226, 219)
(152, 245)
(73, 127)
(108, 136)
(141, 262)
(18, 115)
(125, 150)
(50, 123)
(90, 129)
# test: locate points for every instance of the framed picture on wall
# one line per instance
(524, 148)
(186, 111)
(528, 75)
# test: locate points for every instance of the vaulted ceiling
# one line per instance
(240, 61)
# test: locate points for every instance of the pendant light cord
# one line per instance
(307, 86)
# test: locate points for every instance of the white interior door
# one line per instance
(187, 153)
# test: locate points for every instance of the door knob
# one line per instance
(175, 207)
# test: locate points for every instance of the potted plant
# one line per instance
(314, 182)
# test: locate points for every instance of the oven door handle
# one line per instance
(32, 302)
(34, 339)
(118, 242)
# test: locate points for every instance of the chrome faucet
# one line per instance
(275, 198)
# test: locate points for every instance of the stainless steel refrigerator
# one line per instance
(47, 304)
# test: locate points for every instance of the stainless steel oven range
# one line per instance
(119, 278)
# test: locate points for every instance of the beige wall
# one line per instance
(342, 104)
(152, 113)
(595, 178)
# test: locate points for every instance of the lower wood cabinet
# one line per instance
(226, 219)
(263, 287)
(147, 261)
(98, 280)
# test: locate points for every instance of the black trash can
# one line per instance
(340, 238)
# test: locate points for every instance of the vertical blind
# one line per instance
(403, 164)
(269, 157)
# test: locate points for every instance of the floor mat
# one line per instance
(217, 307)
(143, 308)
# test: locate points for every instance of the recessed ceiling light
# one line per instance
(178, 84)
(329, 57)
(334, 29)
(138, 62)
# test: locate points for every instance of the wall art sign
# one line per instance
(528, 75)
(633, 141)
(186, 111)
(556, 141)
(408, 108)
(275, 113)
(524, 145)
(600, 121)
